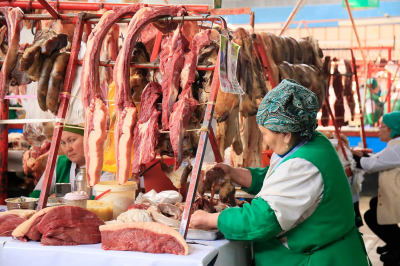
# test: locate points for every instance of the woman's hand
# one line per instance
(204, 220)
(358, 153)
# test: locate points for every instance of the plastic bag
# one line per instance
(167, 196)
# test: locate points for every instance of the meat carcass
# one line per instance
(268, 42)
(148, 36)
(92, 100)
(35, 160)
(144, 237)
(137, 78)
(307, 51)
(3, 42)
(171, 66)
(348, 88)
(146, 130)
(123, 99)
(56, 81)
(251, 77)
(20, 77)
(317, 52)
(61, 226)
(13, 18)
(338, 89)
(45, 43)
(43, 84)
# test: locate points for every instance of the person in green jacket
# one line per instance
(302, 213)
(373, 105)
(68, 165)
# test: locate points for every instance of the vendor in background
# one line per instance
(394, 101)
(302, 213)
(383, 218)
(68, 165)
(373, 106)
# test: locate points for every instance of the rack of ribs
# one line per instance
(92, 98)
(124, 106)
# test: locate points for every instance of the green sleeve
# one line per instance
(258, 176)
(255, 222)
(35, 194)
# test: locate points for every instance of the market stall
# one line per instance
(175, 72)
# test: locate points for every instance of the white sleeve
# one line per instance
(293, 189)
(388, 158)
(107, 176)
(52, 186)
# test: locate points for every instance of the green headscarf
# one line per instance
(77, 129)
(392, 120)
(373, 82)
(289, 108)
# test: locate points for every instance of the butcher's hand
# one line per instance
(357, 152)
(204, 220)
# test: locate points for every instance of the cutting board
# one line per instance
(208, 235)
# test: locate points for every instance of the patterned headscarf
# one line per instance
(289, 108)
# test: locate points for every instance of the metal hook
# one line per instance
(183, 19)
(51, 26)
(154, 71)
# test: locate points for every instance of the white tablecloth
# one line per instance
(17, 253)
(3, 240)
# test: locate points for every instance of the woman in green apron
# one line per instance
(302, 213)
(384, 213)
(68, 165)
(373, 105)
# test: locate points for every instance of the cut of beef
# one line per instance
(13, 18)
(178, 122)
(8, 223)
(19, 77)
(144, 237)
(338, 89)
(56, 81)
(61, 226)
(173, 65)
(146, 130)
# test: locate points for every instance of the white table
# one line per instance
(3, 240)
(17, 253)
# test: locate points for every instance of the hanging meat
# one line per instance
(46, 42)
(138, 79)
(56, 81)
(13, 18)
(251, 77)
(123, 101)
(95, 108)
(171, 65)
(146, 131)
(19, 77)
(177, 177)
(348, 88)
(338, 89)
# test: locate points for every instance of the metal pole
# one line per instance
(3, 152)
(265, 61)
(200, 153)
(84, 6)
(389, 79)
(55, 143)
(289, 20)
(50, 9)
(362, 130)
(361, 50)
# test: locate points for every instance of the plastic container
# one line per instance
(77, 198)
(103, 209)
(122, 196)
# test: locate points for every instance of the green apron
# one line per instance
(327, 237)
(378, 110)
(63, 169)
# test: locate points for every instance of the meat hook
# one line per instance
(183, 18)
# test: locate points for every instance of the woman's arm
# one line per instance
(388, 158)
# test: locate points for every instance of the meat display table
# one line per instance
(3, 240)
(201, 253)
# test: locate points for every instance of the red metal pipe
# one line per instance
(230, 11)
(265, 61)
(55, 143)
(214, 146)
(389, 85)
(84, 6)
(292, 15)
(157, 46)
(200, 153)
(3, 152)
(362, 131)
(49, 8)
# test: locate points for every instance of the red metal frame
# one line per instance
(85, 6)
(3, 152)
(62, 111)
